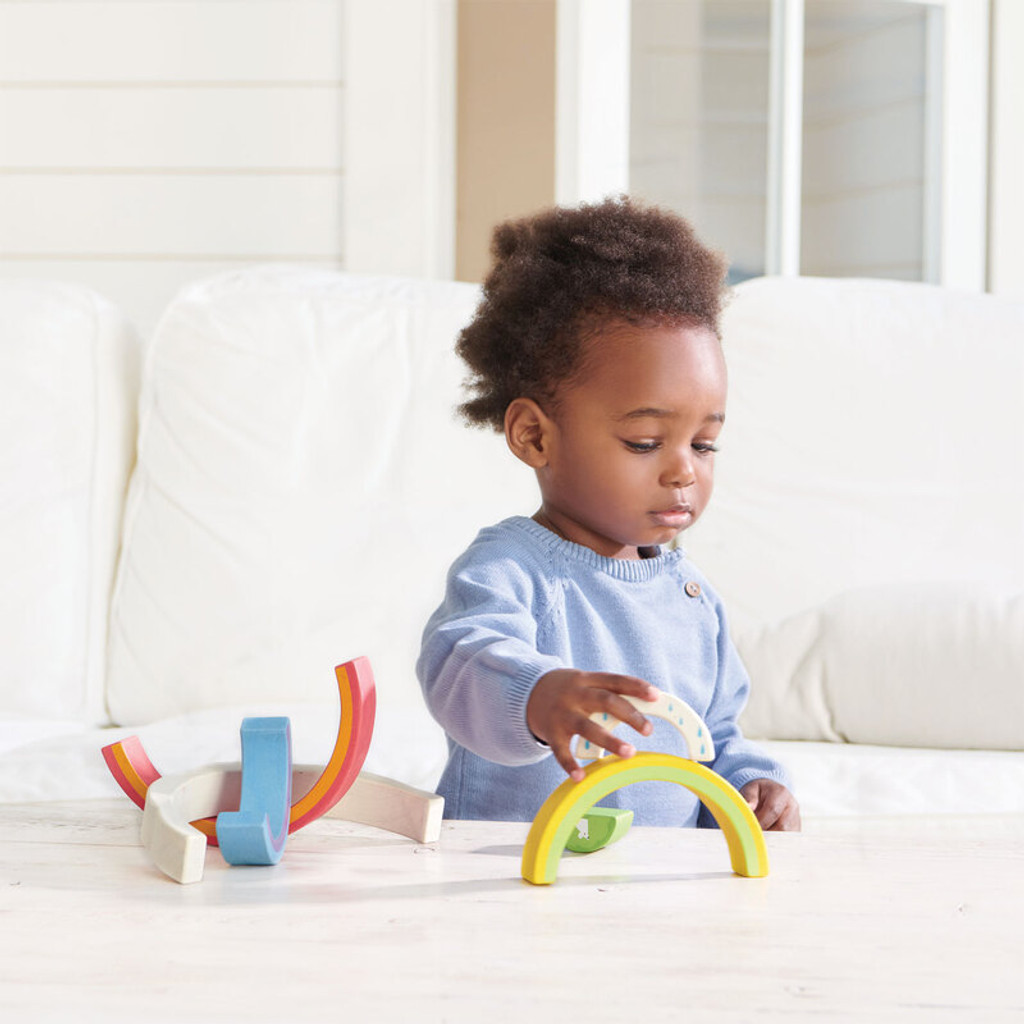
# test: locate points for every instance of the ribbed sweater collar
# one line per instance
(629, 569)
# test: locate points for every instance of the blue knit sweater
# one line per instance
(520, 602)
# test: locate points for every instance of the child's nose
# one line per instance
(678, 472)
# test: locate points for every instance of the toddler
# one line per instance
(595, 349)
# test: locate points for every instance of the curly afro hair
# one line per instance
(561, 275)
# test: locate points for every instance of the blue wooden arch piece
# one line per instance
(257, 832)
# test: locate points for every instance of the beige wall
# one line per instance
(505, 162)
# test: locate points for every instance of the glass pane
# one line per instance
(869, 173)
(699, 118)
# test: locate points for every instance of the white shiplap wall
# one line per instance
(699, 118)
(144, 143)
(864, 142)
(699, 129)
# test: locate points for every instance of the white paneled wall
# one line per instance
(699, 118)
(864, 144)
(699, 133)
(144, 143)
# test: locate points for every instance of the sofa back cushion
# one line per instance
(68, 393)
(903, 665)
(302, 485)
(872, 476)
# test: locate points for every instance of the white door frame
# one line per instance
(1006, 147)
(591, 99)
(783, 206)
(964, 189)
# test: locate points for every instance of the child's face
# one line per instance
(629, 450)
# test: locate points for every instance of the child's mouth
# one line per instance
(677, 515)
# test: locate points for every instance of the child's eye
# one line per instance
(705, 447)
(641, 446)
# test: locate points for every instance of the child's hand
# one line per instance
(562, 702)
(773, 805)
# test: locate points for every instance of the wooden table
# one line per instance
(859, 920)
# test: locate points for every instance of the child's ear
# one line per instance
(526, 431)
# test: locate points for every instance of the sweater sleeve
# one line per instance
(479, 660)
(737, 759)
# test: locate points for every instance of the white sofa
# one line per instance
(296, 483)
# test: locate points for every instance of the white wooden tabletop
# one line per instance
(862, 920)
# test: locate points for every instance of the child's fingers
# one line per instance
(773, 805)
(601, 737)
(789, 820)
(629, 686)
(782, 813)
(563, 700)
(563, 755)
(609, 702)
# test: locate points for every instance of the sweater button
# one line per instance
(692, 588)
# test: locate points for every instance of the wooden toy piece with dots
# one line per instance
(699, 745)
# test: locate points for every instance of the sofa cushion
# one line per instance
(68, 393)
(874, 445)
(302, 485)
(917, 666)
(874, 435)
